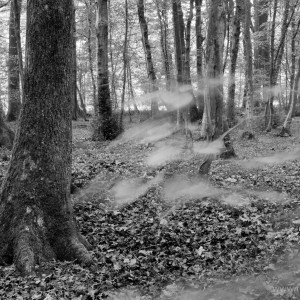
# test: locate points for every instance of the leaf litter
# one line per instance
(173, 237)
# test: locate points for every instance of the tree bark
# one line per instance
(162, 13)
(261, 48)
(75, 106)
(276, 56)
(249, 66)
(14, 93)
(199, 48)
(106, 127)
(234, 49)
(214, 60)
(125, 49)
(212, 123)
(89, 41)
(286, 128)
(36, 218)
(148, 54)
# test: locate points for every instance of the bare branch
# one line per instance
(4, 4)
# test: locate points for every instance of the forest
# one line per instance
(149, 149)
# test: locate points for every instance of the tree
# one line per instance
(75, 106)
(14, 97)
(249, 67)
(213, 126)
(261, 47)
(234, 49)
(286, 128)
(125, 62)
(213, 109)
(148, 54)
(162, 13)
(106, 125)
(89, 11)
(182, 35)
(36, 218)
(199, 48)
(277, 54)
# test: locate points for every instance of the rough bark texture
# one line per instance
(148, 54)
(36, 218)
(261, 48)
(88, 5)
(213, 125)
(234, 49)
(249, 63)
(106, 125)
(214, 61)
(125, 62)
(75, 106)
(6, 134)
(179, 40)
(14, 97)
(162, 13)
(199, 47)
(276, 56)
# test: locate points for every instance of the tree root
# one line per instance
(30, 250)
(80, 253)
(285, 132)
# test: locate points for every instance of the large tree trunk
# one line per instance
(212, 123)
(261, 48)
(234, 49)
(214, 61)
(75, 106)
(88, 5)
(276, 56)
(162, 13)
(106, 127)
(199, 48)
(14, 96)
(36, 218)
(249, 67)
(125, 58)
(147, 49)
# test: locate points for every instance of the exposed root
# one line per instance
(285, 132)
(247, 135)
(24, 256)
(31, 249)
(80, 253)
(205, 166)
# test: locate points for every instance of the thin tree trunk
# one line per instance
(89, 40)
(276, 56)
(286, 128)
(125, 48)
(82, 104)
(148, 54)
(164, 40)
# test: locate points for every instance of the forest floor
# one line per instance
(159, 231)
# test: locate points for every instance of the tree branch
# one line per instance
(4, 4)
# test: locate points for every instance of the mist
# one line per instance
(277, 158)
